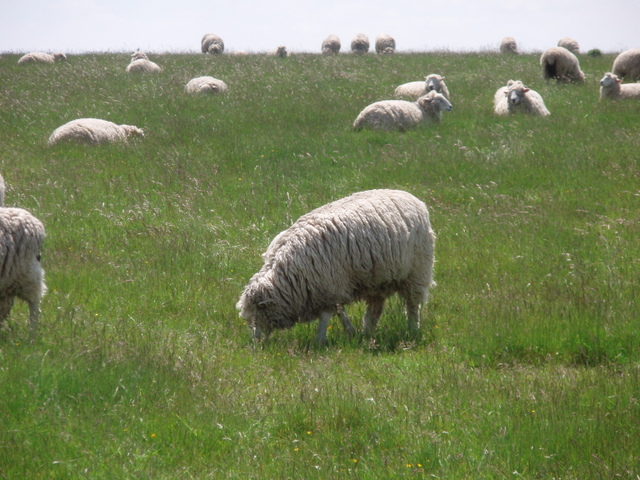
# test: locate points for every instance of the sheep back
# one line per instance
(360, 44)
(42, 57)
(331, 45)
(142, 65)
(570, 44)
(93, 131)
(385, 43)
(366, 246)
(561, 64)
(627, 64)
(509, 45)
(211, 43)
(205, 84)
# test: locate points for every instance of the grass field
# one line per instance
(528, 362)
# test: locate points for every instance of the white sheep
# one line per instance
(561, 64)
(401, 114)
(627, 64)
(21, 238)
(366, 246)
(570, 44)
(611, 87)
(331, 45)
(360, 44)
(281, 51)
(205, 85)
(385, 43)
(516, 97)
(509, 45)
(93, 131)
(140, 63)
(41, 57)
(211, 43)
(415, 90)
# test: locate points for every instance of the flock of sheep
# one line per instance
(366, 246)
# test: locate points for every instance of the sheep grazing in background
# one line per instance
(41, 57)
(415, 90)
(366, 246)
(205, 85)
(570, 44)
(281, 52)
(331, 45)
(21, 238)
(611, 87)
(627, 64)
(561, 64)
(509, 45)
(211, 43)
(401, 114)
(516, 97)
(93, 131)
(140, 63)
(360, 44)
(385, 44)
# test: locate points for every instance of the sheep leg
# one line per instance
(323, 324)
(6, 303)
(346, 323)
(413, 313)
(34, 314)
(372, 315)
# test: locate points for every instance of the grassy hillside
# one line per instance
(527, 365)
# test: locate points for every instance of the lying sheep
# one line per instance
(509, 45)
(367, 246)
(570, 44)
(331, 45)
(93, 131)
(402, 115)
(141, 64)
(205, 85)
(561, 64)
(360, 44)
(211, 43)
(414, 90)
(627, 64)
(610, 87)
(41, 57)
(21, 239)
(385, 44)
(281, 52)
(516, 97)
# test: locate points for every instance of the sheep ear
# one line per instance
(262, 305)
(526, 90)
(618, 80)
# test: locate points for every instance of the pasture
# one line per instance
(528, 361)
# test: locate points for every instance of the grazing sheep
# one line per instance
(331, 45)
(402, 115)
(93, 131)
(561, 64)
(509, 45)
(360, 44)
(516, 97)
(385, 44)
(22, 276)
(627, 64)
(415, 90)
(570, 44)
(281, 52)
(140, 63)
(41, 57)
(610, 87)
(211, 43)
(366, 246)
(205, 85)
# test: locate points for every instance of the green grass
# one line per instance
(527, 365)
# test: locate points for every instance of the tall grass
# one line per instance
(527, 363)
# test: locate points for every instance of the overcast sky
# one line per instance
(76, 26)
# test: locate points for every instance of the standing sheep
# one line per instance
(415, 90)
(385, 44)
(360, 44)
(610, 87)
(281, 52)
(140, 63)
(211, 43)
(366, 246)
(627, 64)
(93, 131)
(515, 97)
(21, 239)
(570, 44)
(561, 64)
(331, 45)
(509, 45)
(41, 57)
(205, 85)
(402, 115)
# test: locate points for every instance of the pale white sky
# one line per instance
(76, 26)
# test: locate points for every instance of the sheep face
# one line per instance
(132, 131)
(214, 49)
(434, 99)
(433, 82)
(609, 79)
(262, 313)
(516, 96)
